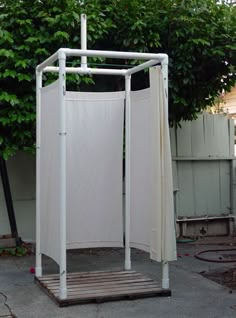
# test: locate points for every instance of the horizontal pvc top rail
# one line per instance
(152, 57)
(87, 70)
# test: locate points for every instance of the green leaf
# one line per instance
(32, 39)
(9, 73)
(201, 42)
(42, 51)
(61, 34)
(76, 16)
(5, 36)
(23, 47)
(21, 63)
(24, 77)
(10, 98)
(7, 53)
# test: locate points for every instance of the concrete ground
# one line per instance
(193, 296)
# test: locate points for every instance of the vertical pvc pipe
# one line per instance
(83, 37)
(165, 265)
(62, 172)
(165, 275)
(127, 172)
(38, 267)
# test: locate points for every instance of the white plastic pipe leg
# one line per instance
(127, 172)
(165, 275)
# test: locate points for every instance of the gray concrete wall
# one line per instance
(21, 169)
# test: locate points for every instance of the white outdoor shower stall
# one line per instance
(80, 178)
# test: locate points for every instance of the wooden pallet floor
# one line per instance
(100, 286)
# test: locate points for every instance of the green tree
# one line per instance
(30, 31)
(198, 36)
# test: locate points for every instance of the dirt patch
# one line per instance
(215, 240)
(23, 250)
(225, 277)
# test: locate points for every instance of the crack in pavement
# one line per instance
(97, 311)
(10, 315)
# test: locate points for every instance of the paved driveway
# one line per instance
(193, 296)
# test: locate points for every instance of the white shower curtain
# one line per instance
(152, 210)
(49, 172)
(163, 241)
(94, 171)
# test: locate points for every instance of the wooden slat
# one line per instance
(98, 282)
(200, 190)
(185, 195)
(233, 188)
(183, 136)
(209, 133)
(97, 279)
(224, 182)
(108, 292)
(89, 289)
(173, 140)
(88, 279)
(142, 292)
(198, 137)
(88, 274)
(89, 285)
(101, 286)
(231, 136)
(55, 278)
(105, 292)
(222, 135)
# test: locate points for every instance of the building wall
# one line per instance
(229, 102)
(21, 170)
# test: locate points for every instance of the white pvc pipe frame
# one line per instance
(61, 55)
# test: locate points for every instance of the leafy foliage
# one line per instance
(13, 251)
(198, 36)
(30, 31)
